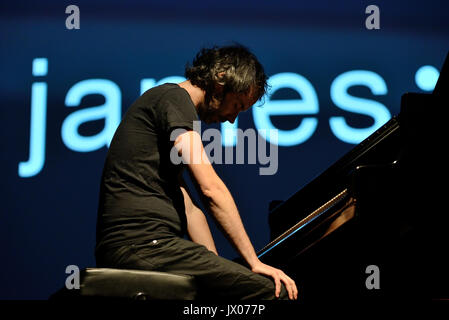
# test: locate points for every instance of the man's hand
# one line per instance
(223, 208)
(278, 276)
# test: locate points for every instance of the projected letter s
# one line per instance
(374, 109)
(111, 111)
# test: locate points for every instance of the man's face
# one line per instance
(228, 109)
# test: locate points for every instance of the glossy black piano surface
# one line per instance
(381, 204)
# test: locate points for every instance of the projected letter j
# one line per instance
(37, 122)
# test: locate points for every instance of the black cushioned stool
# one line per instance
(133, 284)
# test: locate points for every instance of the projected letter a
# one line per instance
(111, 111)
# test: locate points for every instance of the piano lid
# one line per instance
(442, 86)
(381, 147)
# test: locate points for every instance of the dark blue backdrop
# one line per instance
(47, 220)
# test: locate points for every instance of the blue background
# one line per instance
(47, 221)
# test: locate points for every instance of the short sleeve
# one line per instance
(176, 110)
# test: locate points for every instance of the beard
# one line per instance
(208, 111)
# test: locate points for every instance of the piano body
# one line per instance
(381, 205)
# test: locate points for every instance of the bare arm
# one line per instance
(222, 206)
(215, 194)
(197, 226)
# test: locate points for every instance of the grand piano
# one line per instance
(373, 225)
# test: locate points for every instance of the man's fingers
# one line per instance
(291, 287)
(288, 284)
(292, 284)
(279, 277)
(296, 292)
(277, 282)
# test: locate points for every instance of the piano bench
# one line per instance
(131, 285)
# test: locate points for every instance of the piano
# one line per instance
(374, 225)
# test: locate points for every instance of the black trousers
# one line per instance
(217, 277)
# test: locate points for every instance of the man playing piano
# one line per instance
(145, 208)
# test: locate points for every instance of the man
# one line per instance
(145, 208)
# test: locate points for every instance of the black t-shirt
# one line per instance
(140, 198)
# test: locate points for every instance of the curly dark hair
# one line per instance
(234, 67)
